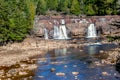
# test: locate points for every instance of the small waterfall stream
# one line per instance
(91, 32)
(60, 32)
(56, 32)
(63, 32)
(46, 33)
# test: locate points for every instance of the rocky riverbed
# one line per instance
(17, 59)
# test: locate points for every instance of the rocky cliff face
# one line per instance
(78, 26)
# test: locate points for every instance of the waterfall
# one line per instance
(56, 32)
(91, 31)
(45, 33)
(92, 35)
(60, 32)
(63, 32)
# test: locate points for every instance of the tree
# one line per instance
(16, 19)
(52, 4)
(64, 6)
(89, 10)
(106, 7)
(75, 7)
(90, 7)
(41, 7)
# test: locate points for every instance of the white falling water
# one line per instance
(46, 33)
(61, 31)
(56, 32)
(91, 32)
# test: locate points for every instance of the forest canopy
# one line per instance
(78, 7)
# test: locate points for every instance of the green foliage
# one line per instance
(75, 7)
(41, 7)
(89, 10)
(16, 19)
(87, 7)
(52, 4)
(106, 7)
(64, 6)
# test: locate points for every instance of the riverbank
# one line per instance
(18, 58)
(13, 53)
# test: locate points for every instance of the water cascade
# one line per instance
(92, 36)
(91, 32)
(56, 32)
(61, 31)
(46, 33)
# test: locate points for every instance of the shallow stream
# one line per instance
(76, 64)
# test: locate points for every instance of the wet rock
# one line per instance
(23, 73)
(12, 71)
(32, 67)
(65, 66)
(23, 65)
(41, 76)
(2, 72)
(9, 79)
(74, 65)
(76, 78)
(75, 73)
(60, 74)
(8, 75)
(98, 63)
(25, 78)
(105, 73)
(101, 51)
(52, 69)
(115, 74)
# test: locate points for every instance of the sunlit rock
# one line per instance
(52, 69)
(60, 74)
(23, 73)
(101, 51)
(97, 63)
(65, 66)
(8, 75)
(41, 76)
(75, 73)
(105, 73)
(74, 65)
(23, 65)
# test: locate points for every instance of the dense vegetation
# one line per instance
(16, 19)
(78, 7)
(16, 16)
